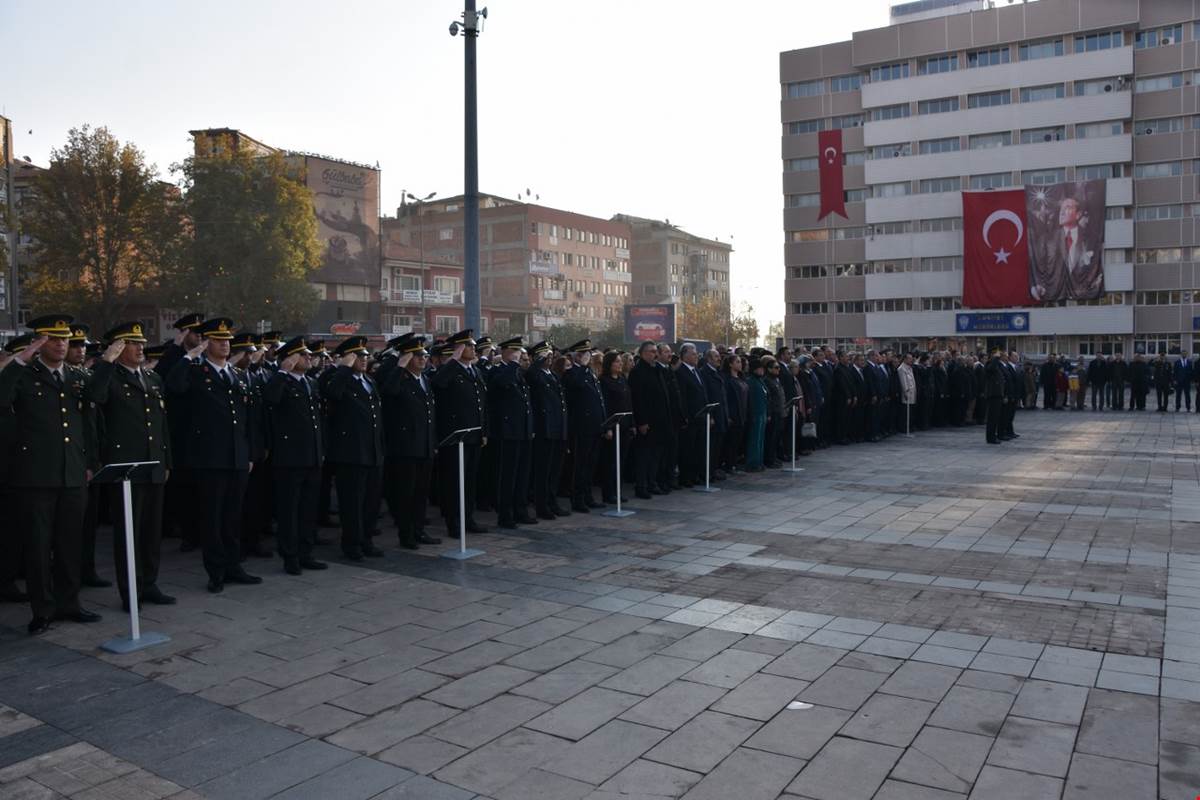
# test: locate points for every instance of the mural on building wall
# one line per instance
(346, 202)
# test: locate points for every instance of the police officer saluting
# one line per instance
(297, 450)
(355, 446)
(462, 403)
(410, 436)
(135, 429)
(549, 431)
(512, 431)
(586, 406)
(217, 447)
(51, 475)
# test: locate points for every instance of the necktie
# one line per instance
(141, 381)
(1068, 241)
(224, 377)
(57, 378)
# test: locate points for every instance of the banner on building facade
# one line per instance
(833, 195)
(655, 322)
(995, 322)
(346, 201)
(995, 250)
(1066, 240)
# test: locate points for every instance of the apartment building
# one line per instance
(670, 265)
(970, 96)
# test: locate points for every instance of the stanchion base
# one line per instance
(624, 512)
(462, 555)
(123, 644)
(793, 469)
(705, 489)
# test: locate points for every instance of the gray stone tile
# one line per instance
(1177, 771)
(939, 654)
(1034, 746)
(944, 759)
(583, 713)
(478, 687)
(497, 764)
(388, 727)
(757, 643)
(299, 696)
(649, 675)
(888, 719)
(565, 682)
(421, 754)
(673, 705)
(972, 711)
(1092, 776)
(921, 681)
(905, 633)
(703, 742)
(846, 770)
(992, 681)
(897, 790)
(843, 688)
(996, 783)
(628, 650)
(220, 755)
(828, 638)
(609, 629)
(605, 751)
(1051, 702)
(728, 669)
(423, 788)
(360, 778)
(702, 645)
(747, 775)
(648, 779)
(866, 627)
(467, 635)
(805, 619)
(390, 692)
(539, 632)
(805, 662)
(1136, 665)
(800, 733)
(537, 784)
(1127, 682)
(1012, 647)
(277, 772)
(888, 647)
(471, 659)
(1120, 725)
(320, 721)
(960, 641)
(1008, 665)
(760, 696)
(551, 654)
(1177, 721)
(870, 662)
(489, 720)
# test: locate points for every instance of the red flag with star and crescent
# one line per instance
(833, 195)
(995, 250)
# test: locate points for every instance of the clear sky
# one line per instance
(656, 108)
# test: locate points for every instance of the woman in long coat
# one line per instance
(756, 416)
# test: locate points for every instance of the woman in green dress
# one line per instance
(756, 416)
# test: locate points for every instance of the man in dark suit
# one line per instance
(995, 390)
(714, 385)
(652, 419)
(823, 371)
(462, 403)
(50, 478)
(585, 405)
(1015, 390)
(355, 446)
(667, 464)
(217, 447)
(297, 448)
(512, 432)
(410, 439)
(1097, 377)
(132, 400)
(549, 403)
(694, 397)
(1183, 382)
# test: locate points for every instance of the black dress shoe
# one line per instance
(94, 581)
(292, 567)
(215, 586)
(525, 519)
(155, 596)
(309, 563)
(38, 625)
(82, 615)
(546, 513)
(475, 527)
(12, 594)
(425, 538)
(371, 551)
(353, 555)
(244, 578)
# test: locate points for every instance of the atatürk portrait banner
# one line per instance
(1066, 240)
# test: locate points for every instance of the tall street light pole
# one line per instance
(470, 30)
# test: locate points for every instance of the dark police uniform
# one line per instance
(410, 438)
(355, 449)
(135, 429)
(297, 448)
(180, 491)
(217, 450)
(585, 403)
(549, 432)
(51, 449)
(512, 432)
(462, 403)
(256, 504)
(79, 350)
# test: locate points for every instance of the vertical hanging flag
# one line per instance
(995, 250)
(833, 197)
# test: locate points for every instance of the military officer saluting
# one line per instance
(51, 473)
(462, 403)
(297, 451)
(355, 419)
(247, 356)
(132, 400)
(179, 500)
(511, 429)
(410, 438)
(216, 447)
(585, 402)
(80, 352)
(549, 431)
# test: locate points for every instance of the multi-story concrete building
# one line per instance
(547, 267)
(670, 265)
(17, 176)
(960, 96)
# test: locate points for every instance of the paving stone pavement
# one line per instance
(960, 622)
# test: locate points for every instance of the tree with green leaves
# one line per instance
(744, 327)
(104, 227)
(254, 239)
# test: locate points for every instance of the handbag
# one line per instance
(808, 430)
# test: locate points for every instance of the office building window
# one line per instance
(1158, 83)
(936, 185)
(892, 304)
(1035, 94)
(810, 308)
(891, 228)
(987, 58)
(856, 232)
(1163, 169)
(857, 158)
(1099, 86)
(801, 164)
(931, 146)
(1153, 213)
(941, 303)
(891, 150)
(941, 225)
(988, 99)
(810, 271)
(806, 88)
(1152, 344)
(852, 307)
(847, 270)
(1159, 255)
(845, 83)
(941, 264)
(939, 106)
(1172, 34)
(1099, 130)
(1039, 135)
(1094, 172)
(889, 267)
(937, 64)
(805, 126)
(847, 121)
(889, 72)
(855, 195)
(1150, 127)
(1043, 177)
(994, 180)
(1098, 41)
(803, 200)
(1036, 50)
(986, 141)
(818, 235)
(898, 111)
(897, 189)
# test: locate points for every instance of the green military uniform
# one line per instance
(133, 403)
(51, 450)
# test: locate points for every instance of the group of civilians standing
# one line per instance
(1065, 384)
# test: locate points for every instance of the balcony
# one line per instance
(1118, 192)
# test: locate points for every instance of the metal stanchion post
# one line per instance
(795, 408)
(137, 640)
(462, 552)
(707, 487)
(618, 512)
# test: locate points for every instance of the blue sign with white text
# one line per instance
(995, 322)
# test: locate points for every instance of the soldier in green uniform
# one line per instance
(81, 352)
(133, 401)
(51, 474)
(11, 550)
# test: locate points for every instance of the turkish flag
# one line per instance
(833, 197)
(995, 250)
